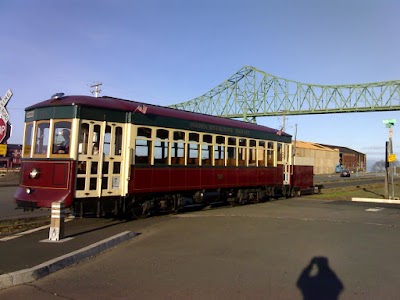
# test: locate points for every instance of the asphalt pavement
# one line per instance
(31, 255)
(264, 251)
(277, 239)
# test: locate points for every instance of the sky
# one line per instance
(165, 52)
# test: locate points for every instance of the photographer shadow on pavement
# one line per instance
(319, 281)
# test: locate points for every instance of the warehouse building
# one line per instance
(350, 159)
(324, 159)
(327, 158)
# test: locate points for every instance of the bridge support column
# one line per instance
(56, 232)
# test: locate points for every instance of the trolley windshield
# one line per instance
(47, 138)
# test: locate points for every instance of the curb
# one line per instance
(53, 265)
(373, 200)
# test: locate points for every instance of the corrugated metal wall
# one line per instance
(325, 159)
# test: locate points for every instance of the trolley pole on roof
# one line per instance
(96, 90)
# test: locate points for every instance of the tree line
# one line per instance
(380, 165)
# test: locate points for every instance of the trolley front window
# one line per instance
(61, 137)
(42, 137)
(46, 138)
(28, 139)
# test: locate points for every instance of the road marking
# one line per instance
(375, 209)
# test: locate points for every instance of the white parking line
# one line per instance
(375, 209)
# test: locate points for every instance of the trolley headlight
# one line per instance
(28, 191)
(34, 173)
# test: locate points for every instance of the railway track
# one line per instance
(334, 181)
(23, 223)
(14, 226)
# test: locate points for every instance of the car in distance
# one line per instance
(345, 173)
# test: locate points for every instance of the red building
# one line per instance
(13, 157)
(351, 159)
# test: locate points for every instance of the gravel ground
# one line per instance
(18, 224)
(9, 178)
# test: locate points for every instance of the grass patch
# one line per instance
(8, 227)
(376, 191)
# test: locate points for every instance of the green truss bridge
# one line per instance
(252, 93)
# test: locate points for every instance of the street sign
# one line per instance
(3, 149)
(392, 157)
(3, 103)
(389, 122)
(5, 126)
(3, 130)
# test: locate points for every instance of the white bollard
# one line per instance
(56, 232)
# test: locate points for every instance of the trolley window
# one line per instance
(28, 139)
(83, 139)
(178, 148)
(270, 154)
(42, 137)
(261, 151)
(252, 153)
(107, 140)
(61, 137)
(161, 147)
(118, 141)
(206, 150)
(143, 146)
(231, 151)
(96, 140)
(242, 152)
(219, 151)
(280, 152)
(193, 149)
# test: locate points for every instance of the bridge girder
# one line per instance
(251, 93)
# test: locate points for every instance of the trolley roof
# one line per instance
(195, 121)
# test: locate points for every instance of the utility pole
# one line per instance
(283, 121)
(390, 158)
(96, 90)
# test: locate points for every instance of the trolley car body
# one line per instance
(128, 156)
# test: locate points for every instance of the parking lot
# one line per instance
(275, 250)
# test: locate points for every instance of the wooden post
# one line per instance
(56, 232)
